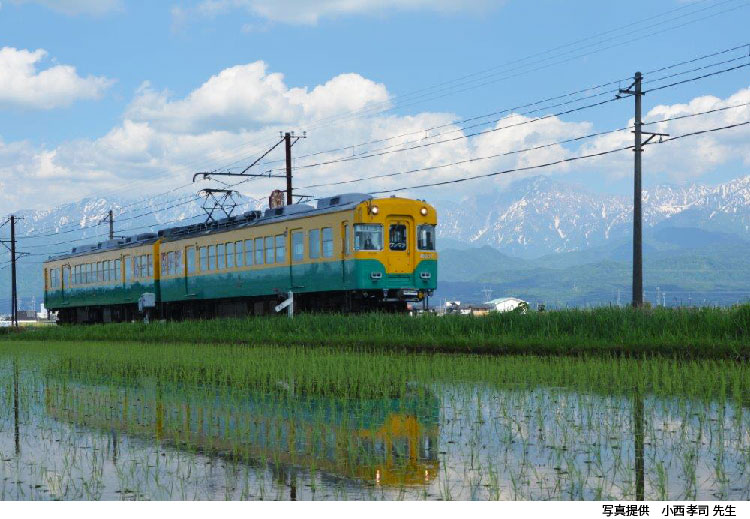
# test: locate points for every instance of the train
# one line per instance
(349, 252)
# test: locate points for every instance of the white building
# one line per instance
(506, 304)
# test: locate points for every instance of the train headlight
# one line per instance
(423, 211)
(374, 210)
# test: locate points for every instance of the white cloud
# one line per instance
(309, 12)
(22, 85)
(683, 159)
(236, 115)
(246, 96)
(74, 7)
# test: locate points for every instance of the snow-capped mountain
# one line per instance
(539, 215)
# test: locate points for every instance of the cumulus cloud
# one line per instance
(310, 12)
(23, 85)
(74, 7)
(234, 116)
(247, 97)
(683, 159)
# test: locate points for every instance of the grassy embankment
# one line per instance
(685, 333)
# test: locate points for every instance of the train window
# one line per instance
(259, 251)
(397, 236)
(212, 257)
(204, 259)
(238, 254)
(150, 265)
(298, 246)
(269, 250)
(105, 271)
(368, 236)
(89, 273)
(230, 255)
(190, 259)
(247, 254)
(98, 274)
(313, 244)
(128, 268)
(221, 256)
(327, 242)
(177, 267)
(347, 240)
(280, 248)
(118, 271)
(426, 237)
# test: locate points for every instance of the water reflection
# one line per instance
(388, 442)
(157, 440)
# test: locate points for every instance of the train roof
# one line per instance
(249, 218)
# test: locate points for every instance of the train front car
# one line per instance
(395, 261)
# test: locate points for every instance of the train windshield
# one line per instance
(368, 237)
(426, 237)
(397, 236)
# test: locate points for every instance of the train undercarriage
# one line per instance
(326, 302)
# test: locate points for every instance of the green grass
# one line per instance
(686, 333)
(354, 374)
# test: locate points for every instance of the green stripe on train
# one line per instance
(303, 278)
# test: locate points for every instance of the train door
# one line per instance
(190, 271)
(400, 253)
(64, 282)
(296, 259)
(345, 250)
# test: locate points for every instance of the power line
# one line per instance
(373, 153)
(523, 150)
(354, 114)
(628, 36)
(548, 164)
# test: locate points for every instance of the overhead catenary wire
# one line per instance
(523, 150)
(551, 163)
(420, 144)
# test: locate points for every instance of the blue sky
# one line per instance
(125, 115)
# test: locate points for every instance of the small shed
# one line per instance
(507, 304)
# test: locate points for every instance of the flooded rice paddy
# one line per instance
(439, 428)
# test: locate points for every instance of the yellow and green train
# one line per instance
(351, 252)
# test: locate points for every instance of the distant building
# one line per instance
(507, 304)
(26, 315)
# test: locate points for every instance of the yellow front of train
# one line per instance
(394, 249)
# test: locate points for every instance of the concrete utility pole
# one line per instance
(111, 226)
(13, 291)
(637, 196)
(636, 91)
(288, 146)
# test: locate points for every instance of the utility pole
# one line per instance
(636, 91)
(288, 146)
(13, 290)
(111, 226)
(289, 139)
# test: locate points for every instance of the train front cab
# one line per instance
(394, 249)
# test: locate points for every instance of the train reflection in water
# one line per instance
(389, 441)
